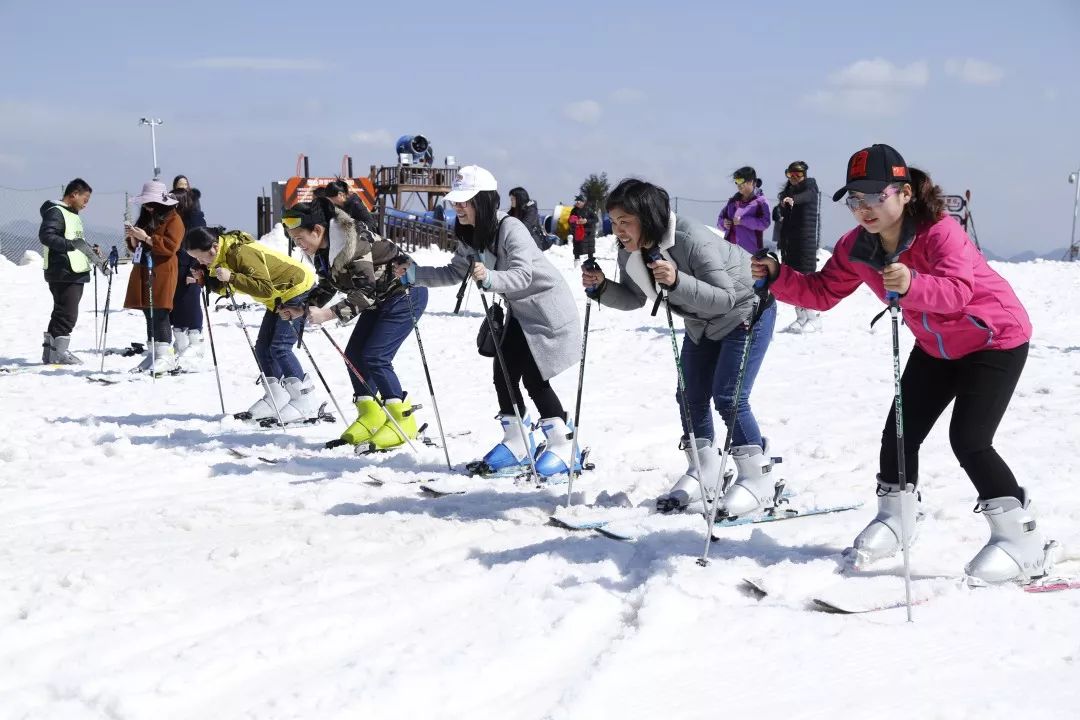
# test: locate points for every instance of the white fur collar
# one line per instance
(635, 264)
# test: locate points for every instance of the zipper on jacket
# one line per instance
(982, 326)
(937, 335)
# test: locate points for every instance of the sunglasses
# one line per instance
(460, 205)
(292, 222)
(870, 202)
(740, 181)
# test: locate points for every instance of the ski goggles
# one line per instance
(792, 174)
(869, 202)
(740, 181)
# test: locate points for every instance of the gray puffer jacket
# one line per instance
(713, 292)
(536, 292)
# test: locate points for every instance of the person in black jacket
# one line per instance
(798, 217)
(338, 193)
(186, 317)
(68, 261)
(583, 223)
(524, 209)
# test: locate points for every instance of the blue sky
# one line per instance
(982, 95)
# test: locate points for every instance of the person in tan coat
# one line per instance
(153, 241)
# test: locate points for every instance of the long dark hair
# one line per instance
(202, 239)
(152, 215)
(187, 202)
(177, 179)
(927, 204)
(649, 203)
(521, 196)
(481, 236)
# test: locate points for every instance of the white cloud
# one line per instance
(974, 72)
(372, 137)
(869, 87)
(255, 63)
(627, 95)
(586, 112)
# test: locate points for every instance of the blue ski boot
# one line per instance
(509, 457)
(555, 459)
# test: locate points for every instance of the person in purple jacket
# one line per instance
(971, 342)
(746, 216)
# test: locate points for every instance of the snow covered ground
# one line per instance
(147, 572)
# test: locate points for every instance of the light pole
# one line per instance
(152, 122)
(1074, 244)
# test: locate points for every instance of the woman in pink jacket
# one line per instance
(971, 341)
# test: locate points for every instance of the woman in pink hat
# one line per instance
(971, 342)
(153, 241)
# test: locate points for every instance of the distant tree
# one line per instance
(596, 189)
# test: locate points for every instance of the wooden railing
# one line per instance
(413, 234)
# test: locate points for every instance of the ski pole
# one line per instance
(318, 372)
(654, 255)
(901, 460)
(153, 324)
(427, 374)
(510, 386)
(105, 325)
(356, 373)
(591, 265)
(258, 363)
(205, 293)
(97, 336)
(711, 507)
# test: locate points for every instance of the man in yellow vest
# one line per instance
(68, 261)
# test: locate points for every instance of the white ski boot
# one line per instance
(274, 400)
(799, 325)
(811, 321)
(180, 340)
(1017, 551)
(195, 349)
(881, 538)
(686, 489)
(146, 362)
(555, 459)
(60, 355)
(756, 487)
(163, 359)
(303, 404)
(511, 453)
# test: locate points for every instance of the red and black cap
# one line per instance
(873, 169)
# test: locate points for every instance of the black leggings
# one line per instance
(982, 385)
(522, 367)
(158, 327)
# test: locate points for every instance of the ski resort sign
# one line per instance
(955, 203)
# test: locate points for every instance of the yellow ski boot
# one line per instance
(388, 437)
(370, 420)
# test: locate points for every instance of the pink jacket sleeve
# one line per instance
(949, 286)
(820, 290)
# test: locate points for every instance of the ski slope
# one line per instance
(147, 572)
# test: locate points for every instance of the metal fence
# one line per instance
(20, 218)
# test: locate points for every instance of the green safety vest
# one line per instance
(73, 230)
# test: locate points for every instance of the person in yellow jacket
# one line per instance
(68, 261)
(234, 259)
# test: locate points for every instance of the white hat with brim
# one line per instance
(471, 179)
(154, 192)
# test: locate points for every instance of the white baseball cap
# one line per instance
(471, 179)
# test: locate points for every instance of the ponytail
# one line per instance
(927, 204)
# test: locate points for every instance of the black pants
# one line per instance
(65, 311)
(982, 385)
(158, 327)
(522, 367)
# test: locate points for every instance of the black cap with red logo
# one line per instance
(873, 169)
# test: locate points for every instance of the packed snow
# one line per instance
(147, 572)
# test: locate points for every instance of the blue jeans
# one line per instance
(711, 370)
(277, 337)
(376, 338)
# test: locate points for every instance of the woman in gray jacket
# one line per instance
(542, 334)
(708, 283)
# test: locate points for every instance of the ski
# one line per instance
(629, 532)
(246, 456)
(272, 422)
